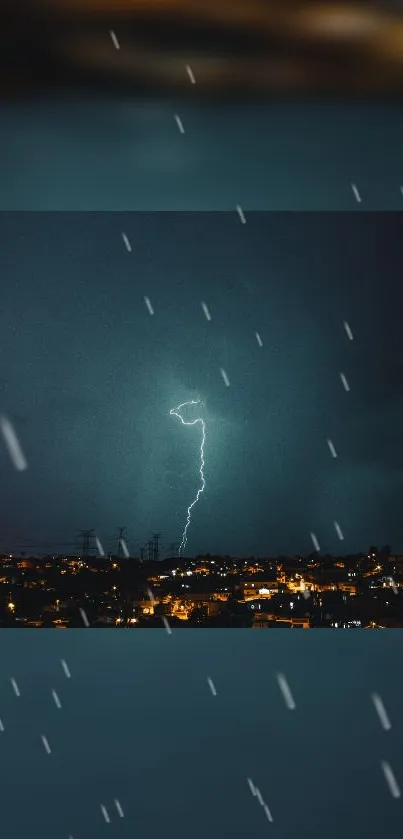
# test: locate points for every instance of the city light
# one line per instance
(344, 592)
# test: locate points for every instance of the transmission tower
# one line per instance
(87, 538)
(173, 549)
(156, 549)
(121, 540)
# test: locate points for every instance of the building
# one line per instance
(264, 620)
(260, 585)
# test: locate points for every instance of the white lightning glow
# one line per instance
(175, 412)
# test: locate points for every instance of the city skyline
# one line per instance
(119, 591)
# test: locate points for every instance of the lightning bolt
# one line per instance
(175, 413)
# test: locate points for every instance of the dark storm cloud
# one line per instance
(69, 154)
(89, 377)
(66, 405)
